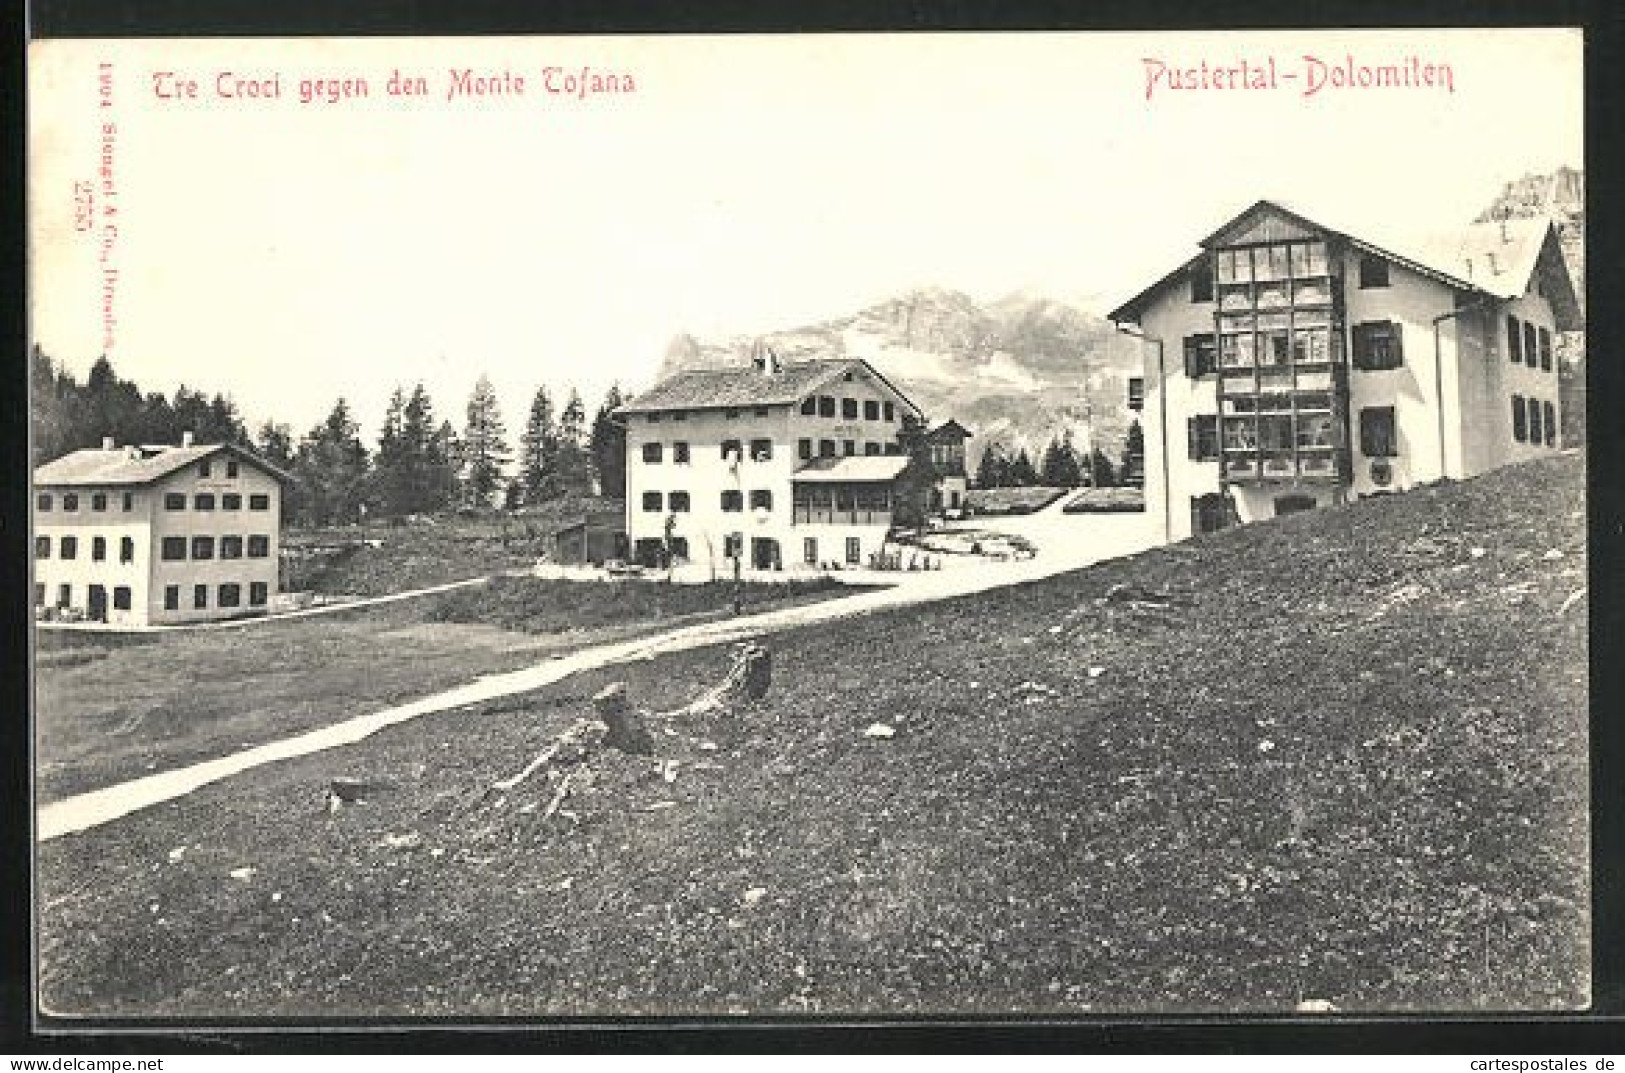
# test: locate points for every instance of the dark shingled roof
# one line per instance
(135, 465)
(745, 385)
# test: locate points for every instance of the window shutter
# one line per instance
(1514, 340)
(1520, 430)
(1360, 336)
(1396, 333)
(1190, 356)
(1191, 447)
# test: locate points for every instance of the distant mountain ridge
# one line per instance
(1017, 371)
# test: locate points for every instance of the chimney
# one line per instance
(186, 439)
(107, 443)
(1494, 271)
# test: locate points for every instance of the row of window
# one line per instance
(1377, 345)
(205, 468)
(206, 501)
(1529, 344)
(45, 501)
(809, 551)
(762, 450)
(174, 548)
(824, 406)
(69, 548)
(228, 594)
(730, 413)
(732, 500)
(1534, 421)
(1284, 432)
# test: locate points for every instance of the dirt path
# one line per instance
(105, 805)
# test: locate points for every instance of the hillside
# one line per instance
(1018, 370)
(1339, 757)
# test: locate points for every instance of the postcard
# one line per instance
(851, 525)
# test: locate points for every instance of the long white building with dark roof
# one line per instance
(156, 534)
(764, 466)
(1292, 364)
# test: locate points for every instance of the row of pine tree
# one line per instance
(420, 463)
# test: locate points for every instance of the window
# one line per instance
(731, 413)
(43, 501)
(70, 501)
(203, 468)
(809, 550)
(809, 406)
(804, 449)
(1520, 420)
(679, 502)
(652, 419)
(1551, 423)
(258, 593)
(42, 547)
(1378, 345)
(98, 549)
(849, 448)
(761, 450)
(98, 501)
(259, 546)
(64, 595)
(871, 410)
(126, 550)
(1201, 358)
(761, 499)
(1536, 433)
(121, 598)
(733, 500)
(200, 596)
(1202, 281)
(1377, 439)
(203, 547)
(894, 448)
(70, 547)
(231, 594)
(1373, 271)
(888, 410)
(203, 501)
(259, 501)
(849, 409)
(826, 448)
(231, 501)
(871, 448)
(231, 547)
(1202, 437)
(1514, 340)
(679, 452)
(854, 550)
(129, 502)
(679, 415)
(652, 501)
(652, 453)
(172, 597)
(761, 411)
(1531, 348)
(174, 501)
(231, 467)
(1545, 350)
(39, 594)
(173, 549)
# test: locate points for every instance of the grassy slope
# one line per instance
(1347, 762)
(182, 697)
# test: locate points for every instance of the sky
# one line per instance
(287, 253)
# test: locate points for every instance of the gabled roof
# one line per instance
(1493, 259)
(134, 466)
(746, 385)
(852, 468)
(948, 430)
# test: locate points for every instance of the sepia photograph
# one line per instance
(852, 525)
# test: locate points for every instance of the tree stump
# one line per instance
(758, 670)
(626, 730)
